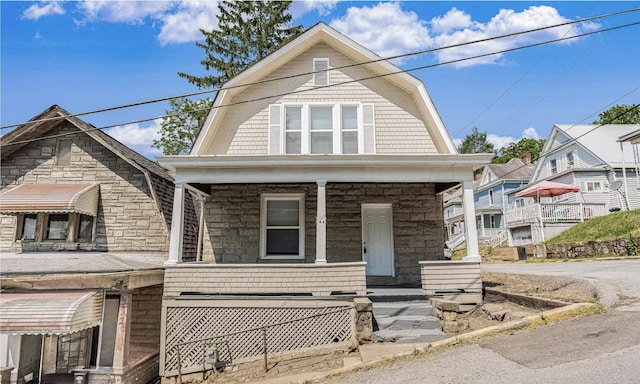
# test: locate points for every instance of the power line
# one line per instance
(319, 87)
(152, 101)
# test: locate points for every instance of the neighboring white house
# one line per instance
(324, 167)
(589, 157)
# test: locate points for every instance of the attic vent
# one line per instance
(321, 73)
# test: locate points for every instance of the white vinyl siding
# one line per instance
(398, 129)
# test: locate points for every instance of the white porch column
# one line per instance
(473, 253)
(177, 226)
(321, 224)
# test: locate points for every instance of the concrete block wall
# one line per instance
(316, 279)
(232, 220)
(128, 216)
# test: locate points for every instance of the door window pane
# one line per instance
(57, 227)
(29, 227)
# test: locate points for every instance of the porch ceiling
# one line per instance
(331, 168)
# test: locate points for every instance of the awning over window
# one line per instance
(57, 312)
(51, 198)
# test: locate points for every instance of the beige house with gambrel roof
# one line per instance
(323, 166)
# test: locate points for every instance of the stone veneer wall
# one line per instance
(128, 217)
(232, 219)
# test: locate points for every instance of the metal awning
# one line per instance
(49, 313)
(51, 198)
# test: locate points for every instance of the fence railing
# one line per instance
(556, 213)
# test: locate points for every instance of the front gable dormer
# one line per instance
(322, 93)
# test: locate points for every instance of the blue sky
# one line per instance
(88, 55)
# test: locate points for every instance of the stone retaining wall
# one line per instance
(615, 247)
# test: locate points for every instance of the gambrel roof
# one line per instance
(322, 33)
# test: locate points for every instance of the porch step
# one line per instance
(395, 294)
(406, 322)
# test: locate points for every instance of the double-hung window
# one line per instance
(322, 129)
(593, 186)
(282, 226)
(553, 165)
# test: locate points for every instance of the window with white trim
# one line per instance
(321, 71)
(593, 186)
(322, 129)
(491, 197)
(282, 226)
(553, 166)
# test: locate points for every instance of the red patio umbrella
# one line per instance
(547, 188)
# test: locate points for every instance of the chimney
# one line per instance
(526, 158)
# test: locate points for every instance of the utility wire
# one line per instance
(223, 88)
(320, 87)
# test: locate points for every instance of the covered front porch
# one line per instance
(340, 222)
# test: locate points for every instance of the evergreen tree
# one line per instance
(476, 142)
(247, 32)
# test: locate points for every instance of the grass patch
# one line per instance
(612, 226)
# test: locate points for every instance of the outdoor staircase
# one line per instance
(498, 239)
(456, 241)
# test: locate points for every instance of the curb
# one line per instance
(477, 334)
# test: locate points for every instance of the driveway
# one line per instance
(617, 281)
(603, 348)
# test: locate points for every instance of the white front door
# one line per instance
(377, 239)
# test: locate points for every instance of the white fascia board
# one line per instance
(333, 168)
(213, 118)
(441, 136)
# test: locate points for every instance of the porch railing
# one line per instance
(556, 213)
(261, 279)
(456, 241)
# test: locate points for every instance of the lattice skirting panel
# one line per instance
(237, 320)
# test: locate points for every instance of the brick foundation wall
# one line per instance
(128, 217)
(232, 220)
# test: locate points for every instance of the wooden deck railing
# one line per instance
(556, 213)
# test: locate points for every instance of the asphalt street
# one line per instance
(603, 348)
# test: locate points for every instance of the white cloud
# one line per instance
(322, 7)
(122, 11)
(384, 28)
(531, 133)
(457, 27)
(137, 137)
(45, 8)
(185, 24)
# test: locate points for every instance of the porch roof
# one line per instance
(331, 168)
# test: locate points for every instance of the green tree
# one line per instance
(247, 32)
(519, 148)
(476, 142)
(620, 114)
(181, 126)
